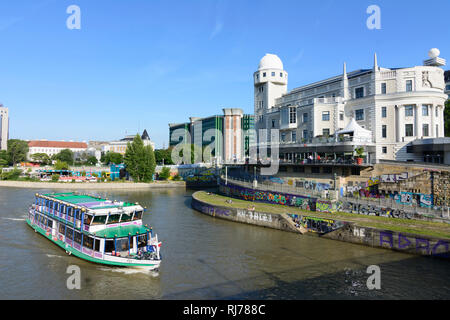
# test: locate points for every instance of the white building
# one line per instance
(54, 147)
(397, 105)
(4, 127)
(121, 145)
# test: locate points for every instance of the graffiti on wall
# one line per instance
(248, 214)
(312, 204)
(318, 225)
(421, 245)
(306, 203)
(212, 211)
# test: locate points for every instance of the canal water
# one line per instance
(209, 258)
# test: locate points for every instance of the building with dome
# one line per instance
(392, 107)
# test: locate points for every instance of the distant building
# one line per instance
(120, 146)
(4, 127)
(232, 143)
(54, 147)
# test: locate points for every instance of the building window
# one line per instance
(264, 74)
(384, 131)
(273, 74)
(315, 170)
(409, 130)
(283, 136)
(408, 85)
(437, 131)
(305, 134)
(273, 123)
(326, 116)
(326, 132)
(257, 76)
(341, 116)
(425, 110)
(383, 88)
(409, 111)
(292, 115)
(437, 112)
(305, 117)
(425, 130)
(383, 112)
(359, 114)
(294, 136)
(281, 74)
(359, 92)
(384, 150)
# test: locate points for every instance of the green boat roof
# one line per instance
(88, 201)
(120, 232)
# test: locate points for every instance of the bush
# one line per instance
(177, 177)
(164, 174)
(11, 175)
(55, 177)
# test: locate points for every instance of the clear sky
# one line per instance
(141, 64)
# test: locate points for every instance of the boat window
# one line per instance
(114, 218)
(78, 214)
(69, 234)
(87, 219)
(126, 217)
(62, 208)
(88, 242)
(97, 245)
(142, 241)
(70, 212)
(122, 244)
(50, 223)
(99, 220)
(57, 206)
(44, 221)
(137, 215)
(77, 237)
(109, 245)
(62, 228)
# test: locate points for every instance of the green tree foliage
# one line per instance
(65, 155)
(55, 177)
(61, 165)
(140, 160)
(164, 174)
(111, 158)
(17, 151)
(447, 118)
(4, 158)
(11, 175)
(42, 158)
(163, 154)
(91, 160)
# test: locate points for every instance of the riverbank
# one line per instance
(93, 185)
(413, 236)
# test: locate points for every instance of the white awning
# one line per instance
(356, 129)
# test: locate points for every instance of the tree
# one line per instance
(111, 157)
(4, 158)
(42, 158)
(65, 155)
(447, 118)
(163, 156)
(61, 165)
(91, 160)
(140, 160)
(17, 151)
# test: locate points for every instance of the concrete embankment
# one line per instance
(93, 186)
(330, 228)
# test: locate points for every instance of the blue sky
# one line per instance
(139, 64)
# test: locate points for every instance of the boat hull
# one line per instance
(107, 260)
